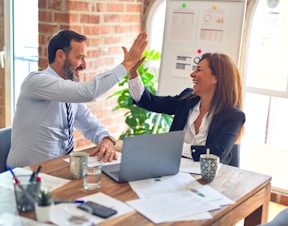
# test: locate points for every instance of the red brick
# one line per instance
(77, 6)
(133, 8)
(113, 7)
(45, 15)
(89, 19)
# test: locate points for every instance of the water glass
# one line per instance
(78, 217)
(92, 180)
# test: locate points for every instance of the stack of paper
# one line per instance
(176, 198)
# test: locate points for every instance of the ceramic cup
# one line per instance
(208, 166)
(78, 164)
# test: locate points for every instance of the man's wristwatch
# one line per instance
(112, 139)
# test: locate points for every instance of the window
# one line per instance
(266, 96)
(155, 28)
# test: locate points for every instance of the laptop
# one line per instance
(148, 156)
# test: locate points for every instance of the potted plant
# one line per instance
(138, 120)
(44, 205)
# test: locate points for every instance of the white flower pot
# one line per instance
(43, 213)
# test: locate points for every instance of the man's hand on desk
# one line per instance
(106, 151)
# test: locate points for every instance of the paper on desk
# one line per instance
(152, 187)
(7, 219)
(59, 217)
(177, 183)
(190, 166)
(211, 194)
(48, 181)
(175, 206)
(92, 160)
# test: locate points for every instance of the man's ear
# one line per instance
(60, 54)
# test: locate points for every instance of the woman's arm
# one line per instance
(222, 134)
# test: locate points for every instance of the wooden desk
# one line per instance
(249, 190)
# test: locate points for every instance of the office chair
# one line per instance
(235, 160)
(5, 143)
(281, 219)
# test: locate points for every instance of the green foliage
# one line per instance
(141, 121)
(44, 198)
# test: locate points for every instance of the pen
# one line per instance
(13, 174)
(38, 178)
(35, 174)
(68, 201)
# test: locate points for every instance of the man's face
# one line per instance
(75, 61)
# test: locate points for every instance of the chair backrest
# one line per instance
(235, 160)
(5, 143)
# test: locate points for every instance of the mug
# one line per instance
(208, 165)
(78, 164)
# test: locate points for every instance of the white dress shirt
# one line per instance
(40, 129)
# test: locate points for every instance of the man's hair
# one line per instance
(62, 40)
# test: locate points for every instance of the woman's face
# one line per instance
(203, 79)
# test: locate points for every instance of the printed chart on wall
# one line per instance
(193, 28)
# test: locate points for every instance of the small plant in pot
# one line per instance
(44, 205)
(44, 198)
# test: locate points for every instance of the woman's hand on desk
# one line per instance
(106, 151)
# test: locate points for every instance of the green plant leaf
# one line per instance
(138, 120)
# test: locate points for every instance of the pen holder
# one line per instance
(26, 193)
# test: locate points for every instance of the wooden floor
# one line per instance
(274, 209)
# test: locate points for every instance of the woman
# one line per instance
(210, 113)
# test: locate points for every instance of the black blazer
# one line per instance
(223, 129)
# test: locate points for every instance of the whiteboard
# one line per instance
(193, 28)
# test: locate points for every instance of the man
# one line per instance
(51, 102)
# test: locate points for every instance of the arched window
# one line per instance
(155, 28)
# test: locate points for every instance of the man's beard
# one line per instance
(69, 74)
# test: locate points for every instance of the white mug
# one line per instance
(78, 164)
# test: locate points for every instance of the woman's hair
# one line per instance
(228, 90)
(62, 40)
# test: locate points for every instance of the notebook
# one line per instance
(148, 156)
